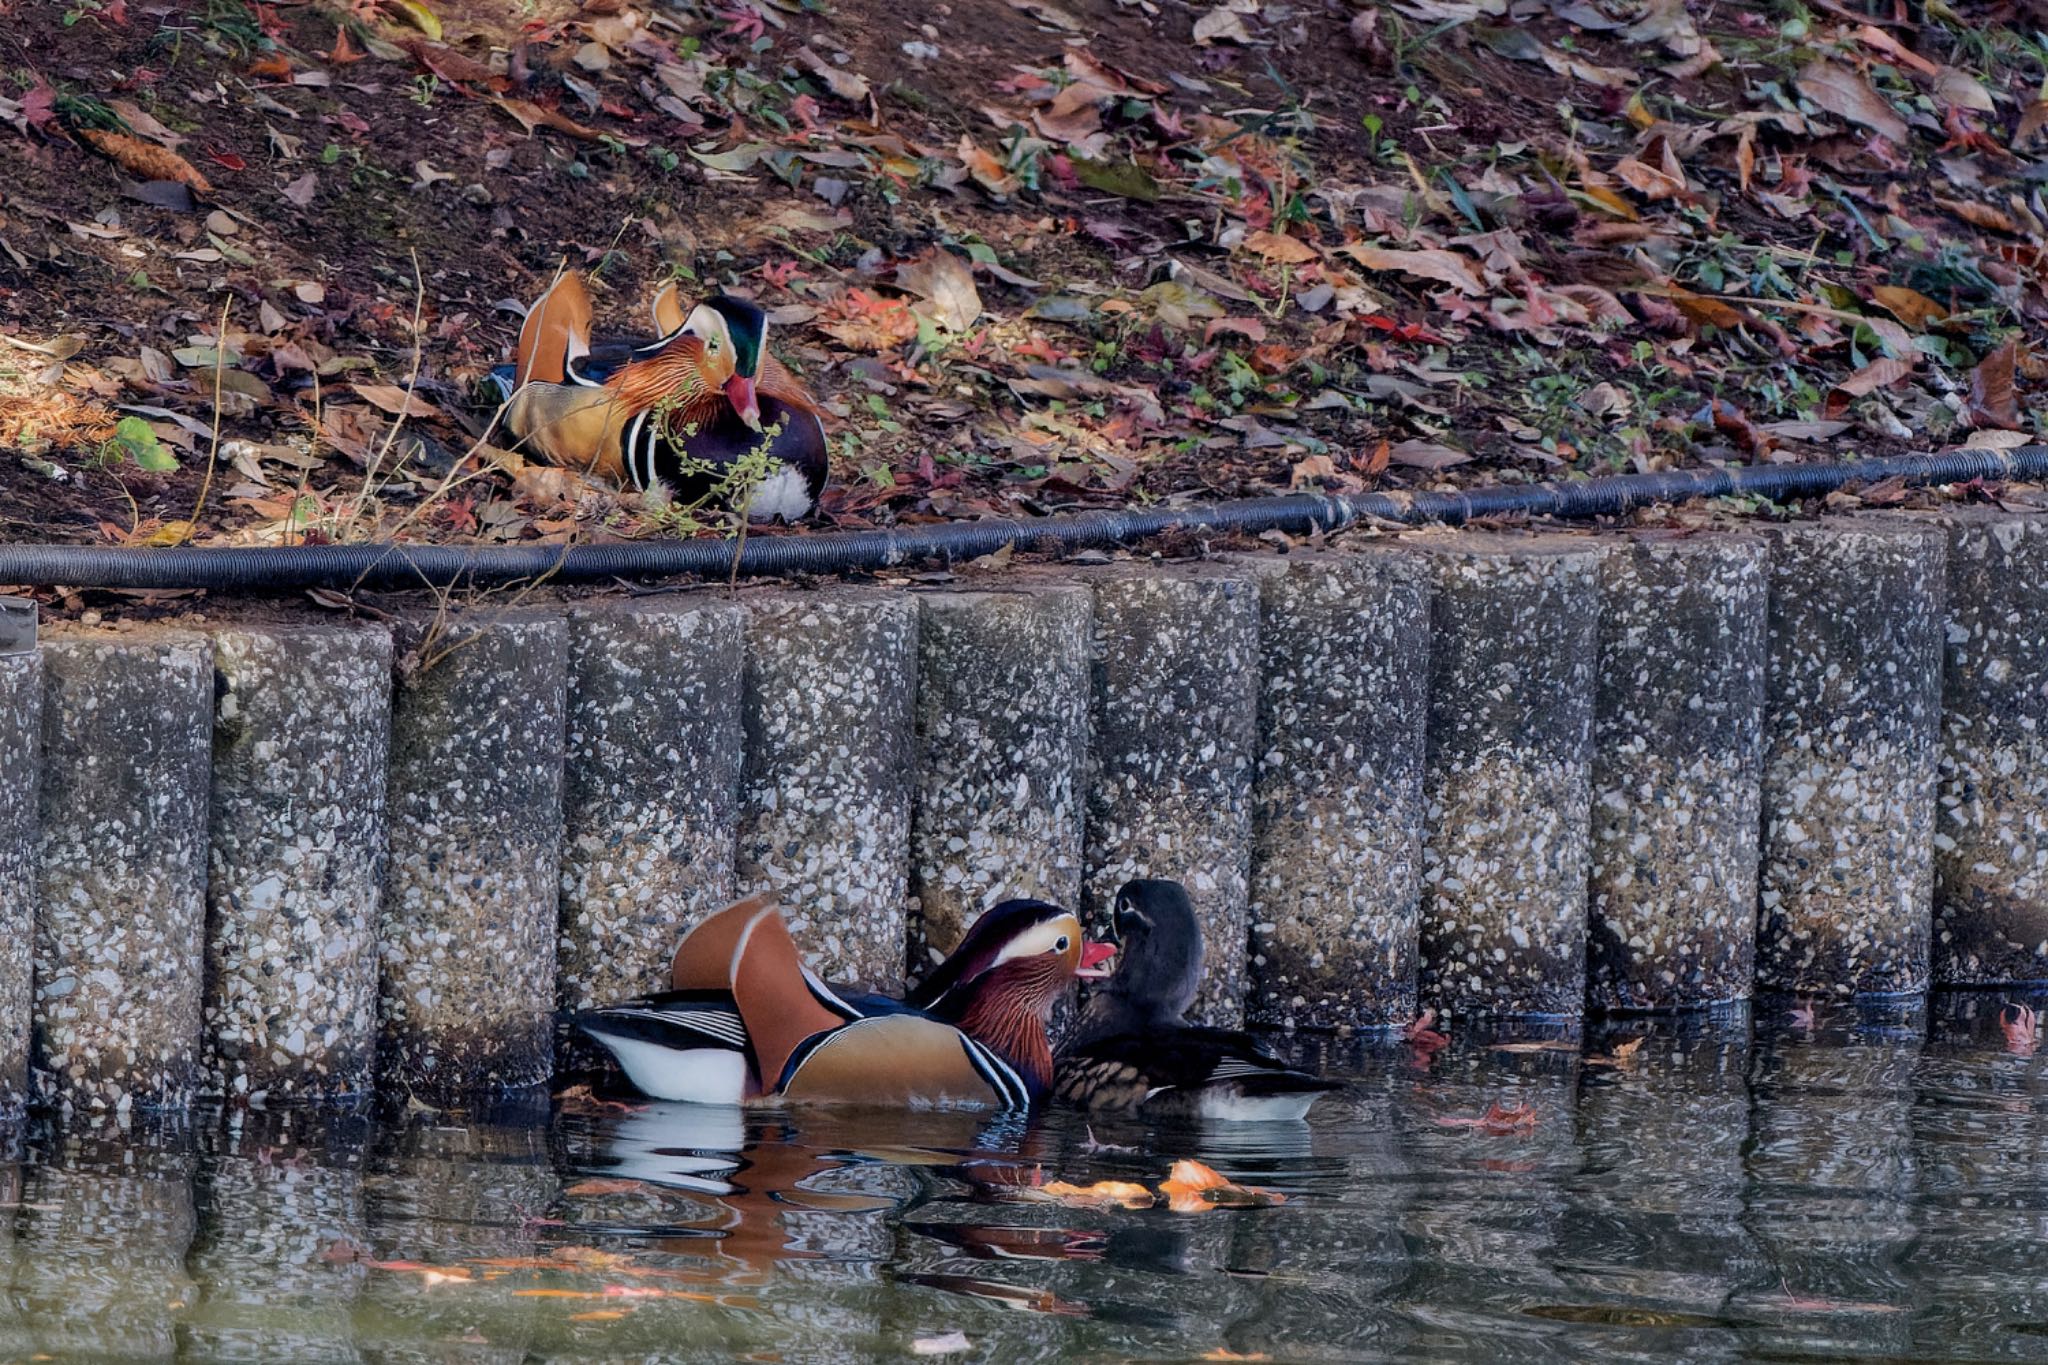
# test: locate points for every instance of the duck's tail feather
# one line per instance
(667, 309)
(703, 960)
(777, 995)
(556, 331)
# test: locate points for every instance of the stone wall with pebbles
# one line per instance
(1677, 754)
(1176, 719)
(1336, 870)
(1002, 757)
(1852, 741)
(1453, 771)
(1991, 833)
(127, 750)
(301, 734)
(652, 785)
(1507, 789)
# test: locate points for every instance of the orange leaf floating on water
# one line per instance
(145, 159)
(599, 1315)
(1102, 1192)
(586, 1189)
(2022, 1026)
(1421, 1031)
(1191, 1187)
(1500, 1120)
(432, 1274)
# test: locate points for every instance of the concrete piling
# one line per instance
(1852, 743)
(1507, 787)
(652, 786)
(1002, 755)
(1175, 721)
(21, 742)
(301, 734)
(1677, 762)
(469, 912)
(127, 725)
(831, 681)
(1991, 833)
(1336, 871)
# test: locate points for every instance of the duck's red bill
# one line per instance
(1093, 957)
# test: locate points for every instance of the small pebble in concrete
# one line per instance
(1508, 785)
(651, 805)
(831, 684)
(302, 722)
(1991, 834)
(1002, 754)
(1678, 753)
(1336, 874)
(469, 915)
(21, 710)
(127, 744)
(1852, 744)
(1175, 719)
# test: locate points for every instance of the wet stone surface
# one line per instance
(1991, 833)
(1852, 744)
(1002, 754)
(469, 915)
(302, 720)
(1336, 873)
(21, 709)
(127, 741)
(1508, 784)
(831, 685)
(1678, 751)
(1176, 669)
(651, 801)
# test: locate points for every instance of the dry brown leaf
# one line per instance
(847, 85)
(1881, 373)
(988, 172)
(1909, 306)
(1274, 247)
(1963, 90)
(1429, 455)
(145, 159)
(1842, 92)
(394, 400)
(530, 116)
(591, 1189)
(1994, 402)
(945, 283)
(1982, 215)
(1442, 266)
(1101, 1193)
(2032, 120)
(1705, 312)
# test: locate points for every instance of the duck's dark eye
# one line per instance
(1060, 944)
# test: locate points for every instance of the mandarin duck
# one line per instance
(747, 1022)
(676, 412)
(1133, 1050)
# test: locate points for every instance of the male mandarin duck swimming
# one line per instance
(1133, 1049)
(746, 1022)
(675, 412)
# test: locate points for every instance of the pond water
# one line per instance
(1870, 1183)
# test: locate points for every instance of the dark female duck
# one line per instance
(676, 412)
(1134, 1051)
(748, 1023)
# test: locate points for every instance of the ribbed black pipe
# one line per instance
(390, 565)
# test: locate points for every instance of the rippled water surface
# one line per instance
(1870, 1184)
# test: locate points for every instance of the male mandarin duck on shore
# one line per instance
(677, 412)
(748, 1023)
(1133, 1049)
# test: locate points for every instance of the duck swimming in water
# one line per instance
(748, 1023)
(1133, 1049)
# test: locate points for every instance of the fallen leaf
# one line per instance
(1429, 455)
(301, 191)
(1274, 247)
(2021, 1026)
(396, 401)
(1842, 92)
(1881, 373)
(592, 1189)
(1442, 266)
(1909, 306)
(1099, 1194)
(530, 116)
(1963, 90)
(1191, 1187)
(1993, 401)
(1221, 24)
(1500, 1120)
(945, 283)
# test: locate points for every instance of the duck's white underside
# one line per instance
(706, 1075)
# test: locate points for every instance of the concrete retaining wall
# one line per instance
(1499, 774)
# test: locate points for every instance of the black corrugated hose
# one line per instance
(392, 565)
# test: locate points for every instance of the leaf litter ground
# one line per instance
(1036, 255)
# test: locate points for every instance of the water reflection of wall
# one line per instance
(100, 1242)
(281, 1210)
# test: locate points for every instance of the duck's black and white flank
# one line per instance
(1133, 1049)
